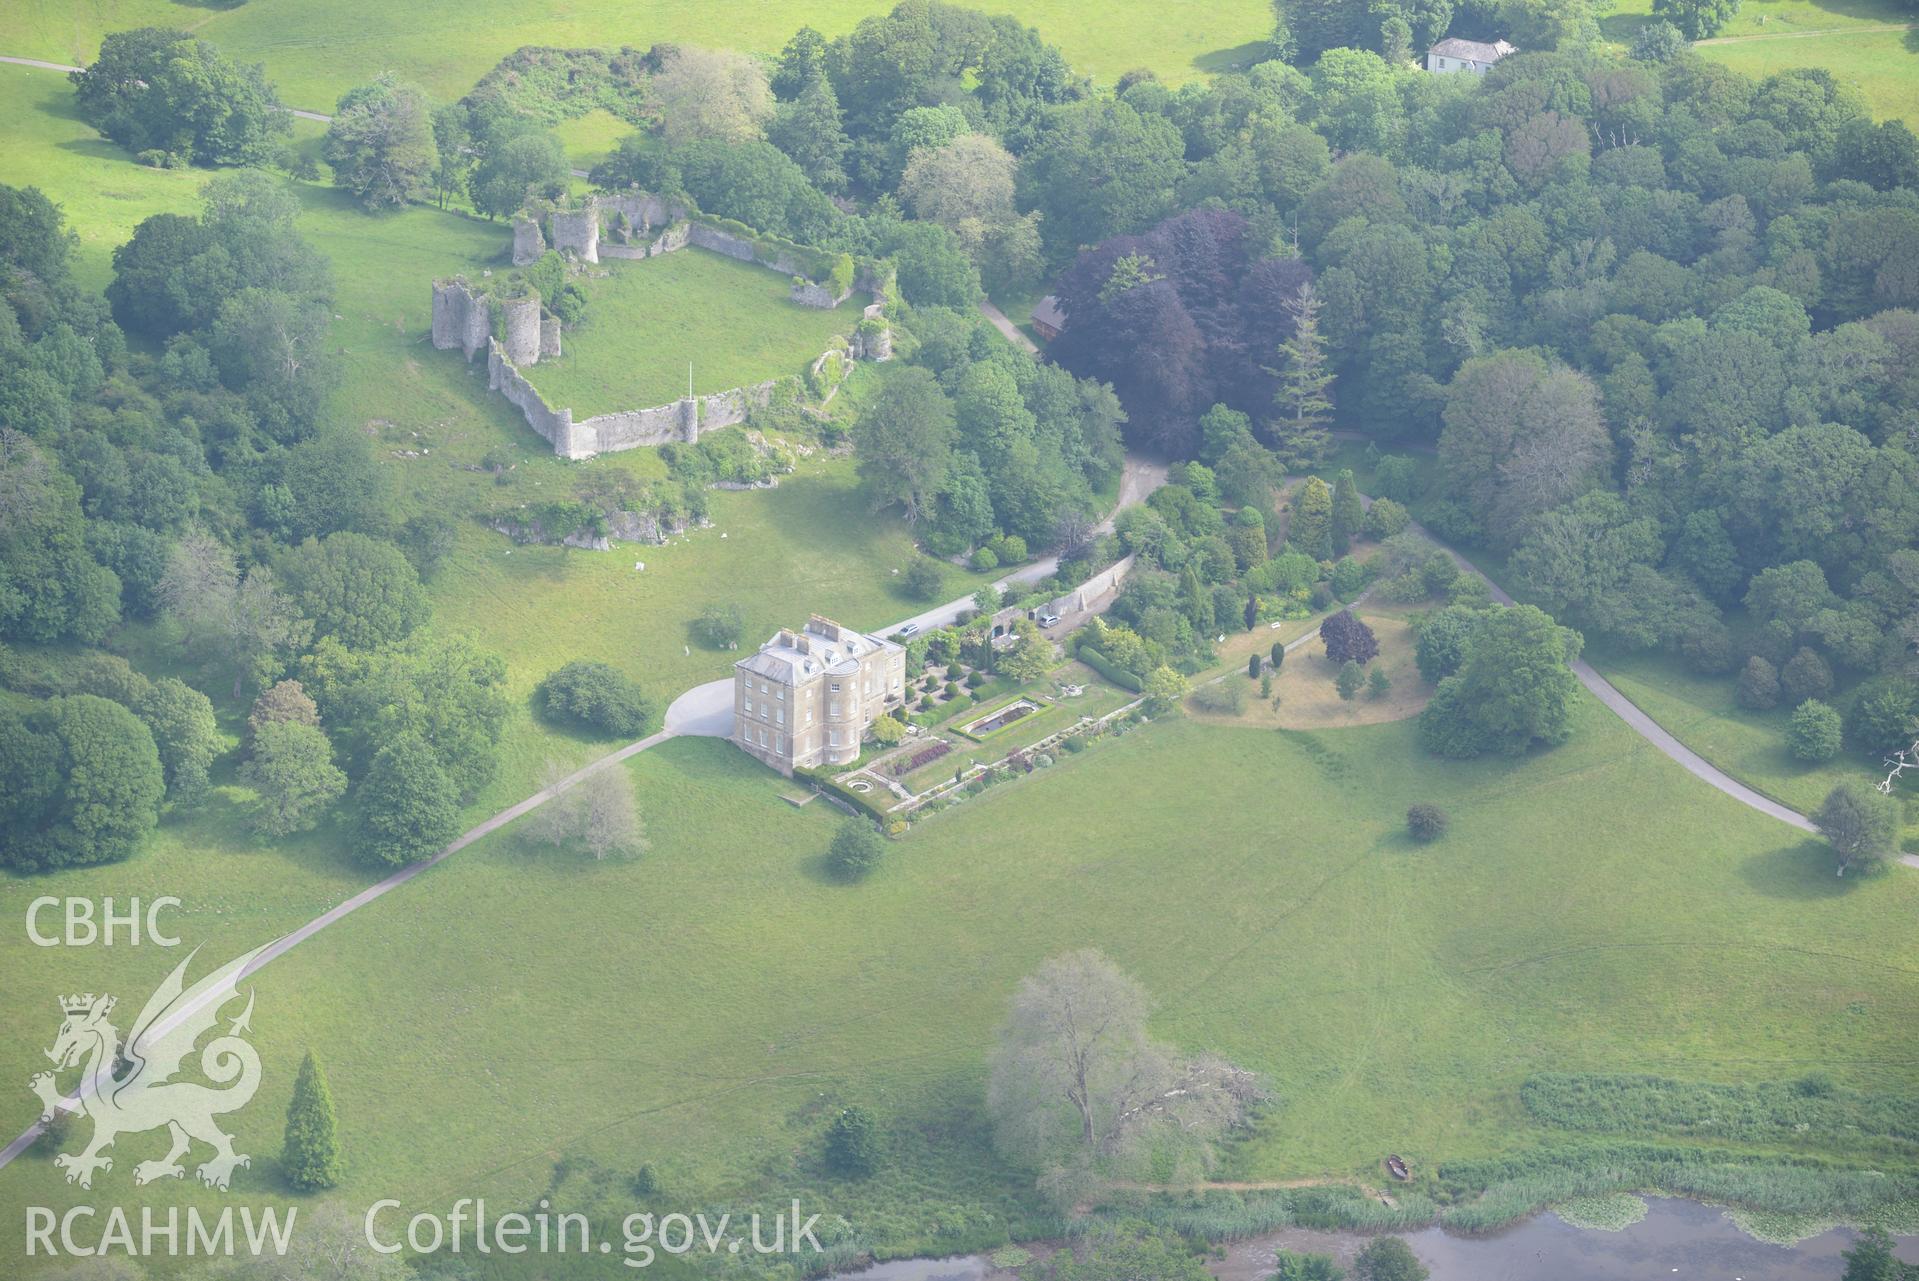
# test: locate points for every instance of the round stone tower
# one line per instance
(521, 321)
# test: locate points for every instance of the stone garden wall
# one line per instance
(624, 226)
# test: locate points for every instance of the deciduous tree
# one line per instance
(520, 168)
(1814, 734)
(1860, 823)
(857, 850)
(291, 770)
(597, 696)
(852, 1145)
(1387, 1258)
(1697, 18)
(1032, 654)
(164, 91)
(598, 814)
(1521, 436)
(1347, 639)
(1515, 688)
(362, 590)
(84, 784)
(407, 808)
(380, 144)
(197, 589)
(716, 95)
(1077, 1084)
(904, 439)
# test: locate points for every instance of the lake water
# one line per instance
(1677, 1239)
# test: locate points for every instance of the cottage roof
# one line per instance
(1474, 50)
(1047, 312)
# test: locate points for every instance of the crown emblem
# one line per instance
(82, 1004)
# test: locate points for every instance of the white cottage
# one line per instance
(1476, 56)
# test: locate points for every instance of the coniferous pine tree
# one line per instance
(1305, 397)
(311, 1157)
(1311, 528)
(1349, 514)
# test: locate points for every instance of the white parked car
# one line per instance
(1049, 620)
(911, 629)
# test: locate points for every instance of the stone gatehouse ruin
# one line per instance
(516, 331)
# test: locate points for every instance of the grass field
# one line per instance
(705, 1007)
(315, 52)
(1882, 65)
(647, 321)
(1848, 37)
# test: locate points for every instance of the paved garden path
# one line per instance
(1012, 331)
(1802, 35)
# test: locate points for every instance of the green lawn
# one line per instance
(1768, 36)
(648, 320)
(316, 51)
(705, 1007)
(1882, 65)
(1770, 17)
(591, 138)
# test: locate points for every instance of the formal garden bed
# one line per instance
(1055, 711)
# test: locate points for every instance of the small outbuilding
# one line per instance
(1048, 319)
(1453, 54)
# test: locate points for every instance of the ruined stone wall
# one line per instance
(528, 243)
(555, 425)
(460, 317)
(725, 408)
(577, 231)
(725, 242)
(808, 294)
(632, 428)
(641, 211)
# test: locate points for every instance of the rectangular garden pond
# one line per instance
(1000, 718)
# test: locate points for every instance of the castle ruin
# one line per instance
(517, 331)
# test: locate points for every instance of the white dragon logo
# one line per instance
(127, 1091)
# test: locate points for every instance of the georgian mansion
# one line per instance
(808, 697)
